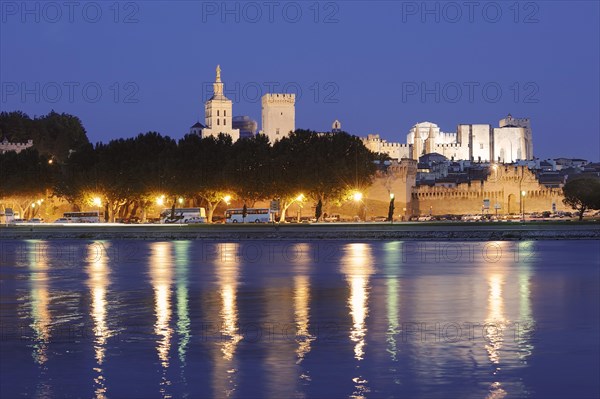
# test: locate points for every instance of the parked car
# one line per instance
(331, 218)
(35, 220)
(380, 219)
(17, 221)
(61, 220)
(194, 220)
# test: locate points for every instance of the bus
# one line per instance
(183, 215)
(82, 217)
(254, 215)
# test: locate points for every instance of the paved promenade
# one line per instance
(367, 231)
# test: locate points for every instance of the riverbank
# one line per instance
(363, 231)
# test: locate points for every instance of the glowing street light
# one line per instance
(160, 201)
(180, 200)
(97, 202)
(300, 198)
(357, 196)
(227, 199)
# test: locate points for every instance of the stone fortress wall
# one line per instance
(6, 146)
(503, 186)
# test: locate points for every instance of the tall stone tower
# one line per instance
(417, 147)
(278, 115)
(218, 112)
(527, 139)
(430, 142)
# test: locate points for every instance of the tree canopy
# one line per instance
(582, 193)
(129, 174)
(53, 135)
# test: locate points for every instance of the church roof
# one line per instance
(432, 157)
(198, 124)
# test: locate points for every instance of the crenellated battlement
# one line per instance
(279, 98)
(6, 146)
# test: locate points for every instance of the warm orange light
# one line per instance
(357, 196)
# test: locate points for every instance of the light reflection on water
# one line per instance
(98, 281)
(161, 272)
(357, 267)
(406, 327)
(41, 318)
(225, 366)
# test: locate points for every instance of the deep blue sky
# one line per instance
(367, 57)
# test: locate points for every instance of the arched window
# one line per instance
(217, 112)
(224, 123)
(224, 112)
(218, 120)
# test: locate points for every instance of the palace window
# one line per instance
(481, 146)
(218, 121)
(224, 122)
(224, 112)
(217, 112)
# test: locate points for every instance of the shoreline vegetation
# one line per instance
(328, 231)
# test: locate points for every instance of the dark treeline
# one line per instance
(53, 135)
(128, 174)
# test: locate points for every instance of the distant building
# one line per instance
(197, 129)
(378, 145)
(6, 146)
(218, 113)
(278, 115)
(246, 125)
(509, 142)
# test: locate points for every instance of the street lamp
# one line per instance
(97, 202)
(357, 197)
(180, 200)
(299, 199)
(227, 199)
(160, 201)
(523, 193)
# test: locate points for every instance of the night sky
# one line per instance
(378, 67)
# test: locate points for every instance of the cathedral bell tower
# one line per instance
(218, 112)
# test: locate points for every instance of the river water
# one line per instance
(330, 319)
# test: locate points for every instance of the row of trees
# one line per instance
(53, 134)
(128, 174)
